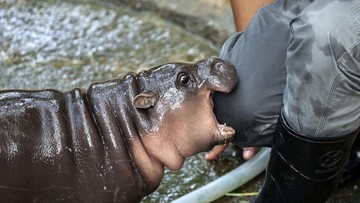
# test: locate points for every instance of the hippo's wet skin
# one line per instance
(109, 144)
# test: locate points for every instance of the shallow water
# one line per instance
(57, 44)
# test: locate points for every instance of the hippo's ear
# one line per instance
(145, 100)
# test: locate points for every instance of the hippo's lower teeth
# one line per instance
(228, 133)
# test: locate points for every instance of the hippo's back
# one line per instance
(51, 150)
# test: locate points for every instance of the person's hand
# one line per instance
(215, 152)
(248, 152)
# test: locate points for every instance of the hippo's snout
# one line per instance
(220, 75)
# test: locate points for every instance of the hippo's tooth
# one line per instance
(227, 132)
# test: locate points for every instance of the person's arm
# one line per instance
(244, 11)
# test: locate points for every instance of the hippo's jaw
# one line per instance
(219, 75)
(225, 133)
(186, 133)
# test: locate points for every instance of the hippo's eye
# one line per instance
(184, 79)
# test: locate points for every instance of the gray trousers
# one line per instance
(299, 58)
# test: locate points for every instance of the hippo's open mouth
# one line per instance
(227, 133)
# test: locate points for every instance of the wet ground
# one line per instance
(67, 44)
(59, 44)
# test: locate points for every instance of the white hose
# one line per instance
(230, 181)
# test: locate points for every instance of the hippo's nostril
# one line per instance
(217, 68)
(219, 65)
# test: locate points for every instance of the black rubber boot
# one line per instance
(303, 169)
(352, 166)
